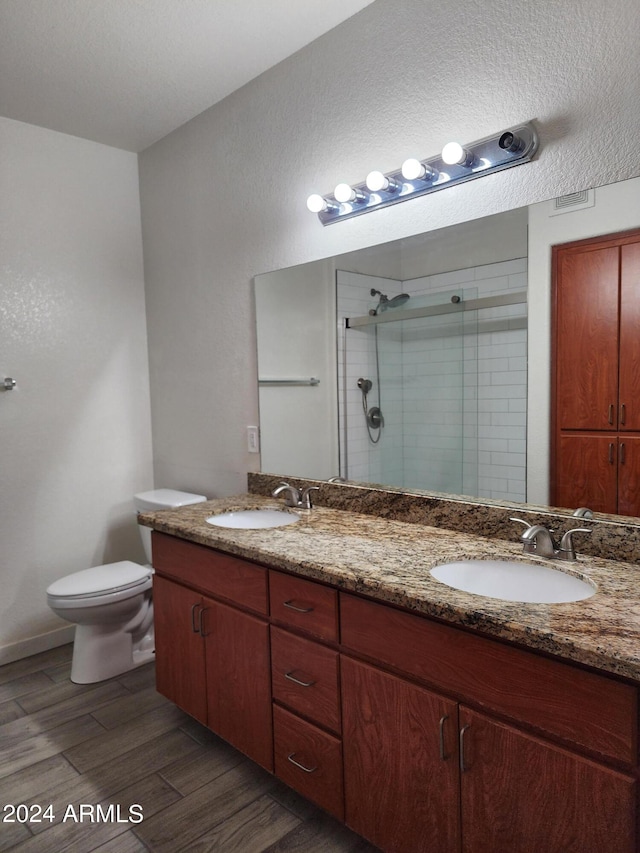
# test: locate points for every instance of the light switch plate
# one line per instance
(253, 439)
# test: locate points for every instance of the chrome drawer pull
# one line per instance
(289, 675)
(443, 720)
(297, 609)
(301, 766)
(463, 768)
(202, 632)
(195, 628)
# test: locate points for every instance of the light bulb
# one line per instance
(344, 193)
(316, 203)
(376, 181)
(454, 154)
(414, 170)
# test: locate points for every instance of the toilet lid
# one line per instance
(111, 577)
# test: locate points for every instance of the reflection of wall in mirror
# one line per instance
(295, 310)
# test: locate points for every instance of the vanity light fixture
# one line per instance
(455, 165)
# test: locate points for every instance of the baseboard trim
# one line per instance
(35, 645)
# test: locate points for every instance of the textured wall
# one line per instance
(223, 197)
(76, 429)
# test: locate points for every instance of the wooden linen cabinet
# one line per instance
(595, 406)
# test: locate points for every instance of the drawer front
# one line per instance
(309, 761)
(584, 708)
(211, 572)
(304, 677)
(304, 604)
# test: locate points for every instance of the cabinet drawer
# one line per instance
(308, 760)
(304, 604)
(305, 677)
(211, 572)
(584, 708)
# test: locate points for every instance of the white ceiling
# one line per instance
(127, 72)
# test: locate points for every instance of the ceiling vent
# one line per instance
(573, 201)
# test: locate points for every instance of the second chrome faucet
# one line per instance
(295, 498)
(538, 540)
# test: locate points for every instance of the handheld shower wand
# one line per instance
(373, 416)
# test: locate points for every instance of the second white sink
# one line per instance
(253, 519)
(513, 581)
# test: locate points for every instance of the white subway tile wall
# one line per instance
(454, 388)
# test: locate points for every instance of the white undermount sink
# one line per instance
(513, 581)
(253, 519)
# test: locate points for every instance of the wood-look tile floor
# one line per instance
(120, 744)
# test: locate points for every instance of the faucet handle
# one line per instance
(566, 543)
(292, 497)
(305, 497)
(522, 521)
(583, 512)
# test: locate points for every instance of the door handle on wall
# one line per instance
(8, 384)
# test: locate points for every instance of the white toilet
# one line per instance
(111, 605)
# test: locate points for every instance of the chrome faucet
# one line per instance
(538, 540)
(583, 512)
(294, 497)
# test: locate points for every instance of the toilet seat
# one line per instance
(100, 584)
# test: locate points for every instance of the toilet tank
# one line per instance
(161, 499)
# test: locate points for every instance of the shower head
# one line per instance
(384, 301)
(398, 300)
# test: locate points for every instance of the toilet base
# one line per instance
(100, 653)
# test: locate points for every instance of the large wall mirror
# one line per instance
(424, 363)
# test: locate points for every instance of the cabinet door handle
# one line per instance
(622, 453)
(202, 632)
(611, 449)
(610, 413)
(301, 766)
(291, 677)
(443, 720)
(463, 730)
(195, 628)
(292, 606)
(623, 414)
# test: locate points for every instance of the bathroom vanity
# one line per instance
(423, 717)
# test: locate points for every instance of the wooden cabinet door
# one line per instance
(400, 762)
(586, 338)
(239, 680)
(180, 652)
(520, 794)
(586, 472)
(629, 475)
(629, 407)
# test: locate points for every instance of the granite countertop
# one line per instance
(390, 561)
